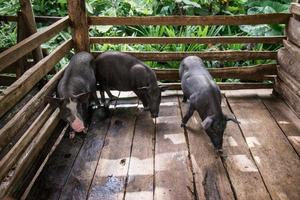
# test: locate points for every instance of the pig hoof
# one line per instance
(182, 125)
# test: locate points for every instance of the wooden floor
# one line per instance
(131, 156)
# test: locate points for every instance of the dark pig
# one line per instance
(76, 91)
(205, 97)
(123, 72)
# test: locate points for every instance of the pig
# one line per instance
(76, 92)
(123, 72)
(204, 96)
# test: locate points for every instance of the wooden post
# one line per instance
(22, 33)
(29, 20)
(79, 25)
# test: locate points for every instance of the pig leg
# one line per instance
(143, 98)
(184, 98)
(187, 115)
(102, 96)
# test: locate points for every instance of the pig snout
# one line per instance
(77, 125)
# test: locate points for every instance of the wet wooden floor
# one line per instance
(130, 156)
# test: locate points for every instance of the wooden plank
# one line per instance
(50, 182)
(226, 86)
(289, 81)
(29, 21)
(289, 63)
(38, 19)
(18, 89)
(81, 175)
(15, 152)
(20, 118)
(242, 170)
(6, 80)
(16, 52)
(275, 158)
(210, 176)
(291, 98)
(285, 118)
(256, 72)
(79, 25)
(276, 18)
(293, 50)
(112, 170)
(293, 31)
(173, 174)
(209, 55)
(295, 8)
(188, 40)
(140, 174)
(8, 186)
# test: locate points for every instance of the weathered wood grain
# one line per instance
(293, 31)
(292, 49)
(285, 118)
(289, 63)
(295, 8)
(140, 174)
(19, 88)
(173, 173)
(256, 72)
(112, 169)
(79, 25)
(278, 18)
(207, 55)
(16, 52)
(20, 118)
(292, 83)
(275, 158)
(188, 40)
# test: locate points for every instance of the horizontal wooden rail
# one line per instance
(207, 55)
(255, 73)
(37, 18)
(274, 18)
(13, 155)
(26, 82)
(295, 8)
(16, 52)
(30, 155)
(226, 86)
(188, 40)
(19, 120)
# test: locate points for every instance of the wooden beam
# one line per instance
(30, 155)
(18, 121)
(293, 84)
(274, 18)
(188, 40)
(205, 55)
(295, 8)
(18, 89)
(226, 86)
(29, 20)
(293, 31)
(38, 19)
(289, 63)
(256, 72)
(16, 52)
(15, 152)
(293, 49)
(79, 25)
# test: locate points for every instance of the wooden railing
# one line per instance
(245, 73)
(25, 135)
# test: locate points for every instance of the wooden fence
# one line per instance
(25, 135)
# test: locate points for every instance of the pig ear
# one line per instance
(82, 97)
(53, 101)
(207, 122)
(144, 88)
(228, 118)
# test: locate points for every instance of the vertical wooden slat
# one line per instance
(79, 24)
